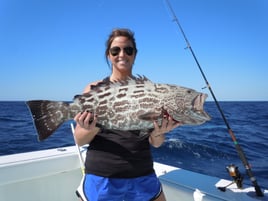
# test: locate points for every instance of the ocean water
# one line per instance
(206, 149)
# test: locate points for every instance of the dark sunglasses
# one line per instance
(116, 50)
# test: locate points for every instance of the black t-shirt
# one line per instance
(119, 154)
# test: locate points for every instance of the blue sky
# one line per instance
(51, 49)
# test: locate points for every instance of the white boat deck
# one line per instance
(55, 174)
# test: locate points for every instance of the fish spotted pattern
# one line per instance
(123, 105)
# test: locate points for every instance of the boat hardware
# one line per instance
(223, 188)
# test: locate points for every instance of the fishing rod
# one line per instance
(81, 160)
(230, 131)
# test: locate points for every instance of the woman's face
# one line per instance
(122, 55)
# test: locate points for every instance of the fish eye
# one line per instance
(189, 91)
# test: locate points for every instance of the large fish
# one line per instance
(125, 105)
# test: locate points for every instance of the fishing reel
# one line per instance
(235, 174)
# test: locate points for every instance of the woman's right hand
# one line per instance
(86, 120)
(85, 129)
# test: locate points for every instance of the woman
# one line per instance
(119, 164)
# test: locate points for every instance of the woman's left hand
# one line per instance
(168, 123)
(157, 136)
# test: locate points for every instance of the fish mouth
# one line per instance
(198, 107)
(198, 102)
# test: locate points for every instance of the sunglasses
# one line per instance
(116, 50)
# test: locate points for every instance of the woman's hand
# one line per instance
(85, 129)
(86, 120)
(167, 125)
(157, 136)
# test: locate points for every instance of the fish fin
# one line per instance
(47, 116)
(76, 96)
(149, 116)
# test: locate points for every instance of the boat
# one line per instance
(55, 174)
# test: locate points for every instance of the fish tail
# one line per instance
(47, 116)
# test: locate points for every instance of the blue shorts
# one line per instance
(96, 188)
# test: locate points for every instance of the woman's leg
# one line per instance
(161, 197)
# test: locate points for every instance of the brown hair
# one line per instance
(116, 33)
